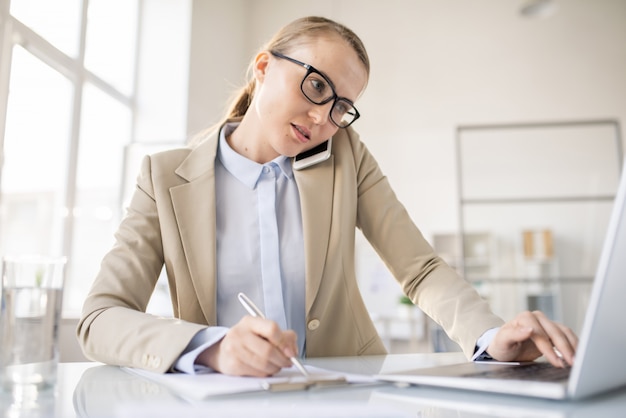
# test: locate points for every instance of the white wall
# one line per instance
(436, 64)
(163, 68)
(218, 59)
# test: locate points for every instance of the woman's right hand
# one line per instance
(253, 347)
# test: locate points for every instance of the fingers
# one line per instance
(564, 343)
(285, 341)
(253, 347)
(532, 334)
(555, 341)
(546, 336)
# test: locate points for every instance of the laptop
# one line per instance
(600, 364)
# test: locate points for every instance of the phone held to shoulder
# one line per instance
(313, 156)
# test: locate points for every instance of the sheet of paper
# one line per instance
(200, 386)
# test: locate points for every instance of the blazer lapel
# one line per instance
(194, 208)
(315, 186)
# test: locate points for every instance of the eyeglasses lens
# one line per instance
(343, 113)
(318, 90)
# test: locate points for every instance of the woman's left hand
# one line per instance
(530, 335)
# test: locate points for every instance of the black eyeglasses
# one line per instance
(319, 90)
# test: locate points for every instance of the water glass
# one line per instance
(30, 313)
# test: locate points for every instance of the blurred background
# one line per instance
(498, 123)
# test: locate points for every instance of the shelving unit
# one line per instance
(558, 178)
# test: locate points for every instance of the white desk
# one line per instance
(95, 390)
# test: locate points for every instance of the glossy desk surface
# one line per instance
(96, 390)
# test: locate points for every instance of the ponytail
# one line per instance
(237, 109)
(242, 101)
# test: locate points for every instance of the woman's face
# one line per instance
(289, 122)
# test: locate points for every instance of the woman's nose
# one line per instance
(320, 113)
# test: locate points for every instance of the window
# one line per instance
(71, 94)
(35, 157)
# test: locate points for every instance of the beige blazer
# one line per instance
(171, 222)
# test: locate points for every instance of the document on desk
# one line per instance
(204, 385)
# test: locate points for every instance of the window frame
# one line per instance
(15, 33)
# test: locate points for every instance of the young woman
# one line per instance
(234, 213)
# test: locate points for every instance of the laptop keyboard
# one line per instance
(540, 371)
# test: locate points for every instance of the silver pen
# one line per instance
(254, 311)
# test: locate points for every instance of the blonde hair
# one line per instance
(290, 36)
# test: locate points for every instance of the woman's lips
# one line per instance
(302, 133)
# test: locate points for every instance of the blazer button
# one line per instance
(151, 361)
(313, 324)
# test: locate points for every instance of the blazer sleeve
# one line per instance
(430, 283)
(114, 327)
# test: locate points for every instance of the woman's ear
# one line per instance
(260, 65)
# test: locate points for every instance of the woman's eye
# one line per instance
(317, 87)
(341, 108)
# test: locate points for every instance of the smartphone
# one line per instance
(313, 156)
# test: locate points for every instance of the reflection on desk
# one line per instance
(101, 389)
(96, 390)
(107, 391)
(431, 402)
